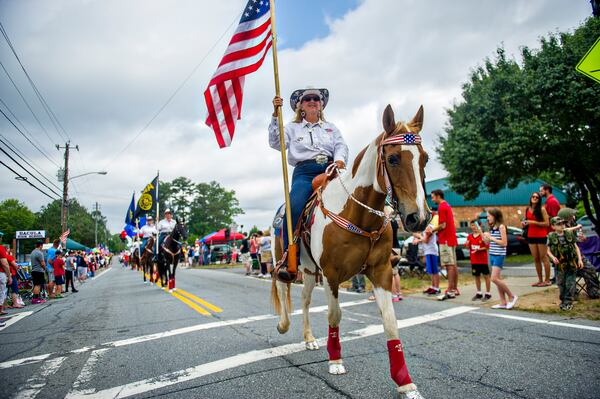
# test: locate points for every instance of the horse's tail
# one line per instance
(278, 249)
(275, 297)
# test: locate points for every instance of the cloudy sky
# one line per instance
(107, 67)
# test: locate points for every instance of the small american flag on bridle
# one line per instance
(405, 138)
(63, 236)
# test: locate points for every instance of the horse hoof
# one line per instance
(411, 395)
(337, 368)
(312, 345)
(174, 289)
(170, 291)
(281, 330)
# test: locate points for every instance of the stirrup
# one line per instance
(282, 272)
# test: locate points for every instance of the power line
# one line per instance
(174, 93)
(31, 142)
(23, 178)
(20, 154)
(25, 101)
(45, 105)
(25, 129)
(26, 170)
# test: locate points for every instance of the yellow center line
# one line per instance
(200, 301)
(191, 304)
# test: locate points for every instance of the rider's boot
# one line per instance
(288, 266)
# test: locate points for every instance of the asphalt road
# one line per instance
(217, 339)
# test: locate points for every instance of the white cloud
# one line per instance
(107, 66)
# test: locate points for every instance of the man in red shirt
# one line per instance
(552, 205)
(447, 240)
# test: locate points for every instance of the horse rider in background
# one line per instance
(148, 230)
(165, 227)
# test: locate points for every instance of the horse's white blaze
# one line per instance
(414, 150)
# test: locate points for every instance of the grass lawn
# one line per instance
(524, 258)
(547, 301)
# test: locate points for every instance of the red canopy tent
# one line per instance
(219, 237)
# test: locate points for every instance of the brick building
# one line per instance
(509, 201)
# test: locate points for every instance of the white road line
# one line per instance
(37, 382)
(16, 317)
(202, 370)
(170, 333)
(539, 321)
(101, 274)
(85, 376)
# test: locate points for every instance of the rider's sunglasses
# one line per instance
(311, 98)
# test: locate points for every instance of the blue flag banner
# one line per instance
(129, 216)
(146, 204)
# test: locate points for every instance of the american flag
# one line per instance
(63, 236)
(406, 138)
(244, 55)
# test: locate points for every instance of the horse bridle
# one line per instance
(179, 243)
(408, 138)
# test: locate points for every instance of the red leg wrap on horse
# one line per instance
(398, 368)
(334, 348)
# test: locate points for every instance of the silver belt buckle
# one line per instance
(321, 159)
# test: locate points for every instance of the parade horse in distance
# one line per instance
(170, 252)
(146, 261)
(350, 234)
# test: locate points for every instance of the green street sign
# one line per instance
(590, 63)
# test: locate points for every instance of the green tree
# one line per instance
(212, 208)
(14, 215)
(80, 221)
(115, 245)
(521, 120)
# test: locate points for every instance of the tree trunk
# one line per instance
(585, 193)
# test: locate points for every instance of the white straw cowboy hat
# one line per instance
(297, 95)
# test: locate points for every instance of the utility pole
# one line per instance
(65, 176)
(96, 213)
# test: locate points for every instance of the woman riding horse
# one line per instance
(351, 234)
(312, 145)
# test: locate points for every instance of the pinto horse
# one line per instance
(350, 234)
(169, 253)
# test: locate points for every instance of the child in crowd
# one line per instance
(59, 274)
(478, 251)
(565, 254)
(498, 241)
(428, 242)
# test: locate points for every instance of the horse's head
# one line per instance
(180, 232)
(404, 160)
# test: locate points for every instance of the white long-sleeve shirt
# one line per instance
(147, 230)
(164, 226)
(305, 140)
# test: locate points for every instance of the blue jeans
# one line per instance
(300, 193)
(497, 260)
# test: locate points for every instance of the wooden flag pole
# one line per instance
(292, 261)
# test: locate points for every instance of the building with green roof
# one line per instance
(509, 201)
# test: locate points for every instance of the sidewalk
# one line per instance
(518, 278)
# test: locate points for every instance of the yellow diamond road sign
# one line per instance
(590, 63)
